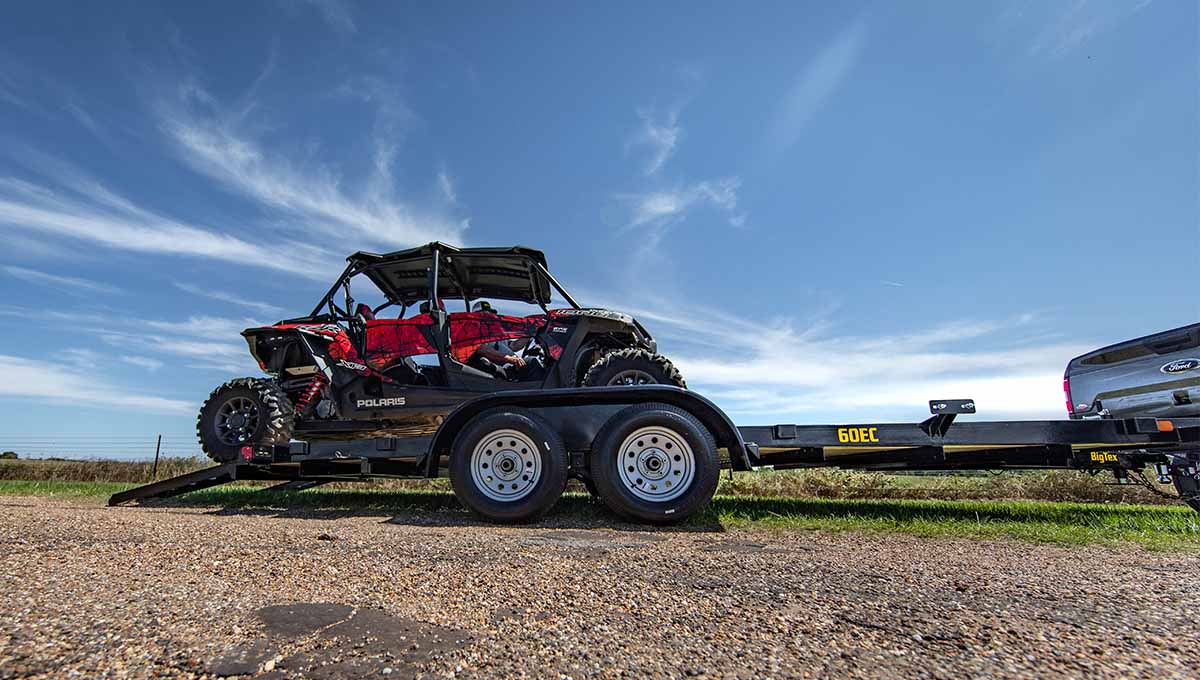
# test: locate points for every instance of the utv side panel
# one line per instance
(1157, 375)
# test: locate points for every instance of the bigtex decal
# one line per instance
(379, 403)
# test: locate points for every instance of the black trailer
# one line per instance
(653, 453)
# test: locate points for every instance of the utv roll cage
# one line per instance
(437, 271)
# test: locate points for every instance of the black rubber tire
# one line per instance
(275, 422)
(1188, 487)
(604, 458)
(554, 466)
(612, 364)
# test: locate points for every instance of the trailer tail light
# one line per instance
(1067, 393)
(248, 453)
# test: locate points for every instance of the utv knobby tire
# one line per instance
(1188, 487)
(275, 417)
(616, 367)
(506, 434)
(610, 459)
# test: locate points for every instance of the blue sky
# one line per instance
(824, 211)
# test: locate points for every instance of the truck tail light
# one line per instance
(1067, 393)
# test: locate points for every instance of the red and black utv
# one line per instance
(345, 366)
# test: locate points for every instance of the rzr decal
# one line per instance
(353, 366)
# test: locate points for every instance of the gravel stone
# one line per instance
(96, 592)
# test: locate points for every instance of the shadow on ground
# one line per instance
(574, 510)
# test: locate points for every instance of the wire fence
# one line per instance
(137, 447)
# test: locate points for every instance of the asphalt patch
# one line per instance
(243, 659)
(295, 620)
(324, 640)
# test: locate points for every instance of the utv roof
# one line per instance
(516, 273)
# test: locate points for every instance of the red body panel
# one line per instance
(470, 330)
(389, 340)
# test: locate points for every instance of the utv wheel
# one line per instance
(655, 463)
(1188, 487)
(508, 465)
(632, 367)
(241, 412)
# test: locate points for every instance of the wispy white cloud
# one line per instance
(815, 86)
(778, 368)
(65, 283)
(661, 203)
(71, 204)
(656, 210)
(446, 186)
(311, 195)
(13, 83)
(1062, 27)
(230, 298)
(335, 13)
(134, 338)
(205, 326)
(143, 362)
(658, 137)
(37, 379)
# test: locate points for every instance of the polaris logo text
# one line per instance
(352, 365)
(380, 403)
(1180, 365)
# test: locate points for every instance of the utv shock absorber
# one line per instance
(310, 392)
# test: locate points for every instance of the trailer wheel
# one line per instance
(508, 465)
(655, 463)
(1188, 486)
(244, 411)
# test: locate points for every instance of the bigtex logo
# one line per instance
(380, 403)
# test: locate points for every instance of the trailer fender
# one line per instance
(548, 401)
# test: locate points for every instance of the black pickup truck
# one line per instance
(1158, 375)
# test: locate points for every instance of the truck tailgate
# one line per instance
(1157, 375)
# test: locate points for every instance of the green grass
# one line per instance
(1155, 527)
(96, 491)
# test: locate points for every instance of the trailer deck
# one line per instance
(942, 442)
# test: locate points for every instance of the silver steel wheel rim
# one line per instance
(237, 419)
(656, 464)
(506, 465)
(632, 376)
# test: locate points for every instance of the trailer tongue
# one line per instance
(657, 439)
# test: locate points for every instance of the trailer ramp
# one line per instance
(192, 481)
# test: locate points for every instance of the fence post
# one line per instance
(157, 448)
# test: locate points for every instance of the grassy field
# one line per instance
(1155, 527)
(1054, 485)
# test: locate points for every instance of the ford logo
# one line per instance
(1181, 365)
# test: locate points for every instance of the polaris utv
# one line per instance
(345, 371)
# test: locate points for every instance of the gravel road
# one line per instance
(89, 591)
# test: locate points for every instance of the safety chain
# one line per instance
(1139, 477)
